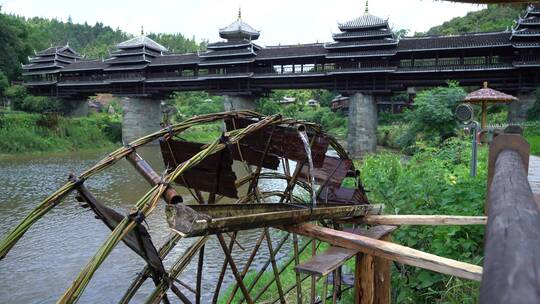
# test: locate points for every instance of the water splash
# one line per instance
(307, 147)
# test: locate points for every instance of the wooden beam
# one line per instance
(428, 220)
(389, 251)
(512, 239)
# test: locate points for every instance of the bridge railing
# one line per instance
(512, 240)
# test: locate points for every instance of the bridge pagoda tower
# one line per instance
(234, 54)
(364, 42)
(525, 41)
(42, 73)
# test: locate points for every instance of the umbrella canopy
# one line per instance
(489, 95)
(485, 96)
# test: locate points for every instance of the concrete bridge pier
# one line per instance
(141, 117)
(74, 107)
(362, 135)
(518, 110)
(239, 102)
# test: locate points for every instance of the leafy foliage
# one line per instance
(20, 36)
(22, 101)
(330, 121)
(23, 132)
(433, 181)
(433, 115)
(4, 83)
(493, 18)
(534, 112)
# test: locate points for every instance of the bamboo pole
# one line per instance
(297, 274)
(177, 268)
(223, 268)
(283, 268)
(247, 266)
(234, 269)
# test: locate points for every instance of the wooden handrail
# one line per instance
(512, 241)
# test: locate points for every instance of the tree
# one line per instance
(433, 115)
(4, 83)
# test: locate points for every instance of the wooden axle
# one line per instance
(235, 217)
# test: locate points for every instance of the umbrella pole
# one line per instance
(484, 115)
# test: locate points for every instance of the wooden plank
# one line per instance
(342, 196)
(213, 174)
(332, 172)
(285, 141)
(512, 240)
(375, 232)
(429, 220)
(326, 262)
(389, 251)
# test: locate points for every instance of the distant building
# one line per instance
(287, 100)
(340, 103)
(312, 103)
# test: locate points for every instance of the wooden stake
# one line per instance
(296, 262)
(383, 278)
(389, 251)
(274, 265)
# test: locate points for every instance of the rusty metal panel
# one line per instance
(331, 173)
(213, 174)
(285, 141)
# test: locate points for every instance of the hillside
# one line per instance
(20, 36)
(493, 18)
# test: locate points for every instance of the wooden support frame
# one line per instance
(512, 239)
(389, 251)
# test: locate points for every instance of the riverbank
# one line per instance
(34, 133)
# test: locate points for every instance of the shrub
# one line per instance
(433, 115)
(436, 180)
(534, 112)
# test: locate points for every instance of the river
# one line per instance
(49, 257)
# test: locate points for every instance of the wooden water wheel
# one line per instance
(273, 147)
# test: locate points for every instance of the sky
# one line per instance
(280, 21)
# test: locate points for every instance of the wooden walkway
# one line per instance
(534, 175)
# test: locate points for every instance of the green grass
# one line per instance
(28, 133)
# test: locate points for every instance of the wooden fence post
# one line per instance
(512, 240)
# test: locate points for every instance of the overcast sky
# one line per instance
(280, 21)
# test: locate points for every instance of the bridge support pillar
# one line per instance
(141, 117)
(362, 135)
(518, 109)
(74, 107)
(236, 102)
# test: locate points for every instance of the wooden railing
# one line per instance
(512, 240)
